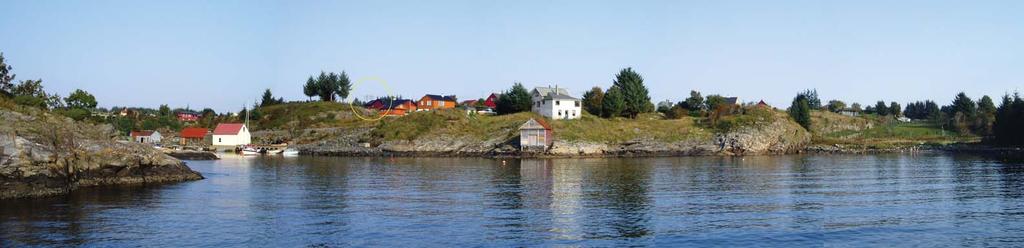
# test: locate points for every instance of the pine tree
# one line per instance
(800, 110)
(613, 103)
(592, 101)
(343, 86)
(309, 89)
(515, 100)
(634, 94)
(6, 78)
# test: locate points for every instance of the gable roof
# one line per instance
(440, 97)
(228, 128)
(553, 96)
(548, 90)
(535, 124)
(731, 100)
(142, 133)
(194, 132)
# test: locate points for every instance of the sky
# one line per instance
(223, 54)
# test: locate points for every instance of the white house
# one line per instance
(231, 134)
(146, 136)
(555, 103)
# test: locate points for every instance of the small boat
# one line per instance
(289, 152)
(250, 151)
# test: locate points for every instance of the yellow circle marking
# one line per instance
(387, 91)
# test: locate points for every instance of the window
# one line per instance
(558, 102)
(559, 113)
(429, 103)
(574, 113)
(219, 140)
(438, 103)
(577, 104)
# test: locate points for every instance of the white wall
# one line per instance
(569, 109)
(243, 138)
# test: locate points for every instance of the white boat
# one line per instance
(250, 151)
(289, 152)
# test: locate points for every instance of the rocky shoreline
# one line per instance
(46, 155)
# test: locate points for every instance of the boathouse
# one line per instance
(146, 136)
(193, 136)
(231, 134)
(535, 135)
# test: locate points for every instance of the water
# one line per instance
(787, 201)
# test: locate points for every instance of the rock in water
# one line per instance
(42, 155)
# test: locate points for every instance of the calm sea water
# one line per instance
(783, 201)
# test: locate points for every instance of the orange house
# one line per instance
(431, 102)
(401, 107)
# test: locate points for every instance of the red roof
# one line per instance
(194, 132)
(142, 133)
(228, 128)
(544, 124)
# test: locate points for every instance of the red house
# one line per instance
(492, 100)
(188, 116)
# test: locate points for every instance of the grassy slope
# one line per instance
(884, 133)
(309, 115)
(646, 127)
(829, 128)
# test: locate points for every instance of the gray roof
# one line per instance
(548, 90)
(549, 93)
(553, 96)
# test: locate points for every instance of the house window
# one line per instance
(429, 103)
(438, 103)
(558, 102)
(559, 113)
(219, 140)
(577, 103)
(574, 113)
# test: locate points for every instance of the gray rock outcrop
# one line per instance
(42, 155)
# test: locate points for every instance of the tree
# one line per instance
(268, 99)
(986, 116)
(1009, 120)
(894, 109)
(592, 101)
(343, 86)
(855, 107)
(881, 109)
(634, 94)
(812, 98)
(515, 100)
(30, 93)
(613, 103)
(836, 106)
(6, 77)
(665, 106)
(964, 104)
(713, 101)
(800, 110)
(693, 103)
(165, 110)
(309, 89)
(80, 99)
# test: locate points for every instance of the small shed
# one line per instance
(535, 135)
(146, 136)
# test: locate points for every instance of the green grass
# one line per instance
(895, 134)
(310, 115)
(751, 117)
(646, 127)
(449, 123)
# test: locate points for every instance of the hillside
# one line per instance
(44, 154)
(871, 131)
(326, 128)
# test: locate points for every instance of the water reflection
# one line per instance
(916, 199)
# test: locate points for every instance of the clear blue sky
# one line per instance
(222, 54)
